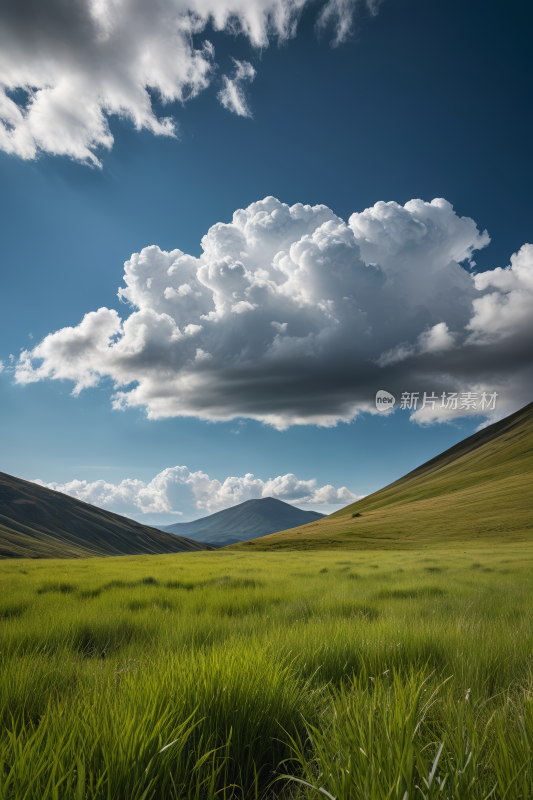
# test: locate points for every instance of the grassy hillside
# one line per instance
(480, 491)
(36, 522)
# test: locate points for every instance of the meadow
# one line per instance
(478, 493)
(355, 674)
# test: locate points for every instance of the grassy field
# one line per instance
(478, 493)
(365, 674)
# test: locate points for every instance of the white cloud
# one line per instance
(75, 353)
(65, 67)
(437, 339)
(341, 15)
(434, 340)
(232, 94)
(509, 310)
(127, 497)
(380, 302)
(176, 489)
(202, 356)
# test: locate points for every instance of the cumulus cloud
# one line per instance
(232, 94)
(176, 488)
(293, 316)
(65, 67)
(507, 311)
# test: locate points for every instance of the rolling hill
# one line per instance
(245, 521)
(479, 491)
(36, 522)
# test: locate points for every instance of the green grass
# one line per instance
(366, 675)
(478, 493)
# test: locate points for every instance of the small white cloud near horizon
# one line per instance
(177, 488)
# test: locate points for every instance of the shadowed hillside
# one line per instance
(245, 521)
(36, 522)
(479, 491)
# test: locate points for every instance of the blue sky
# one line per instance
(426, 100)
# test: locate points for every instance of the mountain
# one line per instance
(478, 492)
(248, 520)
(36, 522)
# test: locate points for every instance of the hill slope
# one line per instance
(247, 520)
(36, 522)
(480, 490)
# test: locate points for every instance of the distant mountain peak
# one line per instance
(247, 520)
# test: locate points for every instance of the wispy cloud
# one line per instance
(65, 67)
(232, 94)
(341, 16)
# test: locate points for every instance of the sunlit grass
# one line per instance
(347, 671)
(478, 493)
